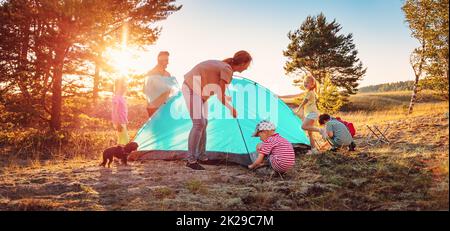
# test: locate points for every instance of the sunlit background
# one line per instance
(214, 29)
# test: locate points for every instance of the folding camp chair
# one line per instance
(377, 133)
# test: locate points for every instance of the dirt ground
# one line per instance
(409, 174)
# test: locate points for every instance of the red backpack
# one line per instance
(349, 126)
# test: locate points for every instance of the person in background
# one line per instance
(159, 85)
(336, 132)
(119, 113)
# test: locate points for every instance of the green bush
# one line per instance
(329, 100)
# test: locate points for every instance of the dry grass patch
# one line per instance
(164, 192)
(409, 174)
(196, 186)
(33, 204)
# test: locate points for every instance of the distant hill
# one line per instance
(378, 101)
(395, 88)
(387, 87)
(374, 101)
(291, 100)
(289, 96)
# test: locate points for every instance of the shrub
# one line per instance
(329, 100)
(41, 144)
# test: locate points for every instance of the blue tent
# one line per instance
(165, 135)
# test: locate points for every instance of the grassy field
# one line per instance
(369, 102)
(410, 173)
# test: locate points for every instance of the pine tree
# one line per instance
(318, 48)
(329, 100)
(42, 41)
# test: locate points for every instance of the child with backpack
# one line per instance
(337, 132)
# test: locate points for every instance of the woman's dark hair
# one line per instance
(323, 118)
(241, 57)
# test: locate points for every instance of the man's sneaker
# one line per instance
(352, 147)
(195, 166)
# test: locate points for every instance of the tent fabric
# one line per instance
(165, 135)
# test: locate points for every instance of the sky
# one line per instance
(216, 29)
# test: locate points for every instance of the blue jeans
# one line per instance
(198, 111)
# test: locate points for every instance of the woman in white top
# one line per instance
(159, 85)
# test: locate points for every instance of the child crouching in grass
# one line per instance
(274, 149)
(336, 132)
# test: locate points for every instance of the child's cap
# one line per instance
(264, 126)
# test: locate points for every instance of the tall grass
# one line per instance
(399, 114)
(375, 102)
(36, 145)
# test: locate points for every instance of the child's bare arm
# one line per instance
(258, 162)
(305, 101)
(300, 107)
(330, 134)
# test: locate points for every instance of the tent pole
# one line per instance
(242, 134)
(240, 129)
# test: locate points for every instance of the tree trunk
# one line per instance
(55, 122)
(414, 95)
(417, 73)
(95, 89)
(96, 83)
(23, 61)
(446, 76)
(423, 12)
